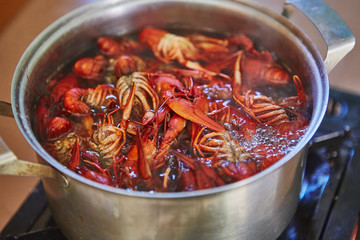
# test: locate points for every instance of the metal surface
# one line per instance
(338, 37)
(259, 207)
(5, 109)
(11, 165)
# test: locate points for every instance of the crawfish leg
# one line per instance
(75, 156)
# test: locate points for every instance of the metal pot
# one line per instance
(259, 207)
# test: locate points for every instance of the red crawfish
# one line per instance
(143, 91)
(169, 47)
(114, 47)
(196, 174)
(77, 101)
(49, 125)
(91, 68)
(82, 167)
(261, 108)
(109, 138)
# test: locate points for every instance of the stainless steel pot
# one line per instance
(259, 207)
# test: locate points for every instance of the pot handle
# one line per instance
(337, 35)
(11, 165)
(5, 109)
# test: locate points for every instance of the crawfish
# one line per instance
(51, 128)
(176, 125)
(48, 126)
(295, 102)
(294, 129)
(78, 100)
(142, 92)
(166, 82)
(145, 151)
(140, 157)
(103, 96)
(190, 111)
(243, 42)
(109, 46)
(221, 145)
(264, 109)
(168, 47)
(108, 139)
(261, 108)
(127, 64)
(112, 47)
(208, 47)
(91, 68)
(73, 102)
(122, 65)
(57, 127)
(261, 69)
(226, 150)
(58, 91)
(79, 166)
(203, 83)
(235, 171)
(196, 174)
(257, 68)
(62, 147)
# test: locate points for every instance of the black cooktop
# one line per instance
(330, 197)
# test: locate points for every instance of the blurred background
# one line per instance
(22, 20)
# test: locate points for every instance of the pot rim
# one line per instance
(31, 51)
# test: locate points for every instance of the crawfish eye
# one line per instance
(151, 137)
(176, 90)
(94, 127)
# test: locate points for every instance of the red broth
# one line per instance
(167, 111)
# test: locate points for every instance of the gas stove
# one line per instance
(330, 198)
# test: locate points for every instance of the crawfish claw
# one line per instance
(191, 112)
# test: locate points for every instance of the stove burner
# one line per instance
(330, 198)
(328, 173)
